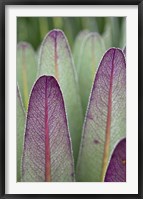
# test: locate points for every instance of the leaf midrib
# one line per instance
(47, 142)
(108, 125)
(56, 57)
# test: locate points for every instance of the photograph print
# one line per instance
(71, 99)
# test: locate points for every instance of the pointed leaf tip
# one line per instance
(55, 33)
(47, 148)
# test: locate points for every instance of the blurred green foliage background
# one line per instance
(34, 29)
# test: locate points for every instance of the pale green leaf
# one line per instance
(26, 70)
(107, 35)
(92, 51)
(111, 33)
(20, 115)
(78, 46)
(123, 34)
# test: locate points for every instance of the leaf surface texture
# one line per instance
(55, 59)
(47, 147)
(105, 122)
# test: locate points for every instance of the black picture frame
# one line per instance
(3, 3)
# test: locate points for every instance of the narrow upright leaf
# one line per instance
(58, 22)
(20, 115)
(115, 30)
(123, 33)
(56, 60)
(107, 34)
(105, 122)
(26, 70)
(112, 33)
(47, 148)
(43, 26)
(116, 171)
(92, 51)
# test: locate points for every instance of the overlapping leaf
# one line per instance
(116, 171)
(78, 47)
(56, 60)
(105, 122)
(26, 70)
(20, 133)
(47, 148)
(92, 51)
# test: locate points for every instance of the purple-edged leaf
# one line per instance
(105, 122)
(47, 147)
(55, 59)
(116, 171)
(20, 133)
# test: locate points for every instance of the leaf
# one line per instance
(43, 26)
(123, 33)
(26, 70)
(20, 133)
(47, 148)
(89, 23)
(107, 34)
(78, 46)
(115, 30)
(116, 171)
(111, 33)
(92, 51)
(55, 59)
(105, 121)
(68, 29)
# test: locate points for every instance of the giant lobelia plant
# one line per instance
(49, 125)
